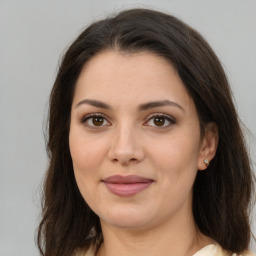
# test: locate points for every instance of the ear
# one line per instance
(209, 145)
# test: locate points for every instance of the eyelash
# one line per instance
(91, 116)
(167, 118)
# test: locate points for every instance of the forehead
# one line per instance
(129, 79)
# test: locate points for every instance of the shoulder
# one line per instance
(247, 253)
(217, 250)
(209, 250)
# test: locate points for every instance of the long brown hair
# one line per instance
(222, 194)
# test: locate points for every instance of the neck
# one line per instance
(176, 237)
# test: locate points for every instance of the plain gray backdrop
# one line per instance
(34, 34)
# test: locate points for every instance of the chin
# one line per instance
(126, 219)
(127, 223)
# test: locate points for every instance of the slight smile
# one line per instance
(126, 186)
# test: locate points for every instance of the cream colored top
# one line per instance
(209, 250)
(216, 250)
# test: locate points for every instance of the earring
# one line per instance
(206, 161)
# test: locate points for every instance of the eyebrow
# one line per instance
(142, 107)
(95, 103)
(155, 104)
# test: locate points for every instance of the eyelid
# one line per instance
(88, 116)
(98, 114)
(166, 116)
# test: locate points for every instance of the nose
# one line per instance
(126, 147)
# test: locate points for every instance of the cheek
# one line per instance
(181, 152)
(86, 152)
(176, 161)
(177, 172)
(87, 157)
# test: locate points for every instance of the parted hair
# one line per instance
(221, 195)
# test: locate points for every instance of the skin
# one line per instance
(128, 140)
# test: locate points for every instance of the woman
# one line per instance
(146, 152)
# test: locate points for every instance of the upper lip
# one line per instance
(126, 179)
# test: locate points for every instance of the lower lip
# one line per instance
(127, 190)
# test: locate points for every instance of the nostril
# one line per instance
(125, 154)
(124, 161)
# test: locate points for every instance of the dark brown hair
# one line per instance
(221, 194)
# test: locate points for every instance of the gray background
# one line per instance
(34, 34)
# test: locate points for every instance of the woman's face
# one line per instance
(134, 140)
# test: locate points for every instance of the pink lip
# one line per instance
(126, 185)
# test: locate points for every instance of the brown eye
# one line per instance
(97, 121)
(159, 121)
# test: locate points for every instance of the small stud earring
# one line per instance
(206, 161)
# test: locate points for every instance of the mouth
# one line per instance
(126, 186)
